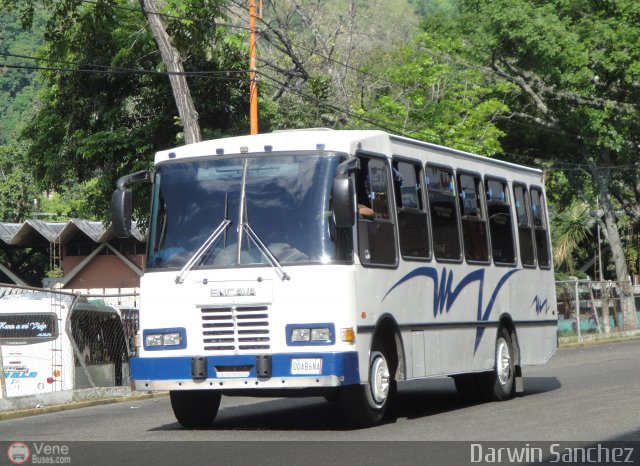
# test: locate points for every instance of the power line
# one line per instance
(245, 28)
(372, 121)
(225, 74)
(106, 69)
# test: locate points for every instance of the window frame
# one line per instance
(392, 220)
(529, 226)
(544, 227)
(454, 195)
(423, 194)
(507, 190)
(483, 219)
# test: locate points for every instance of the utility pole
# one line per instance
(253, 81)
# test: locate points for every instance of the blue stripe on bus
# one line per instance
(179, 368)
(445, 294)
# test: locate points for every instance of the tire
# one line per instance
(195, 409)
(501, 383)
(365, 405)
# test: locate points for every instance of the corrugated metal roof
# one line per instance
(30, 231)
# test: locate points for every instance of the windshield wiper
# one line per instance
(205, 246)
(266, 252)
(244, 222)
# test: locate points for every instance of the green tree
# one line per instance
(18, 87)
(108, 105)
(576, 66)
(428, 96)
(313, 56)
(572, 227)
(17, 188)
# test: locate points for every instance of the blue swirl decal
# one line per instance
(540, 305)
(444, 295)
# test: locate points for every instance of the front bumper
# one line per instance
(235, 372)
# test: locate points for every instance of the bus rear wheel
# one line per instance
(365, 405)
(501, 380)
(195, 409)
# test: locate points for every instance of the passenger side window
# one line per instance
(376, 230)
(412, 213)
(525, 231)
(540, 227)
(444, 214)
(474, 222)
(500, 223)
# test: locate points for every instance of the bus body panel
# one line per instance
(314, 297)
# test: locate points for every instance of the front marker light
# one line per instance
(300, 334)
(320, 334)
(348, 335)
(171, 339)
(153, 340)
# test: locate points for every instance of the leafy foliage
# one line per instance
(114, 108)
(18, 87)
(427, 96)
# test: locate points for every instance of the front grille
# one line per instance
(235, 328)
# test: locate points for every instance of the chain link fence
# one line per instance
(53, 341)
(591, 307)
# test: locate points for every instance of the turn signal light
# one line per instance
(348, 335)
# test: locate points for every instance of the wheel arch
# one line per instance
(507, 322)
(387, 333)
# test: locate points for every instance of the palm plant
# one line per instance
(570, 228)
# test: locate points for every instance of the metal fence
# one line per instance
(53, 341)
(592, 307)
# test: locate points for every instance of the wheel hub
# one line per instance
(379, 380)
(503, 361)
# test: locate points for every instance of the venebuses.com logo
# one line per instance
(18, 453)
(38, 453)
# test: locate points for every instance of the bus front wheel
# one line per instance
(365, 405)
(195, 409)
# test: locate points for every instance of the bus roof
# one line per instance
(314, 139)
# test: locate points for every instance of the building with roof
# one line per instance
(92, 260)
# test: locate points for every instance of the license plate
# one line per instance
(306, 366)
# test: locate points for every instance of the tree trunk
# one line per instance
(173, 62)
(627, 302)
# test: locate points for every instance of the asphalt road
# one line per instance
(584, 394)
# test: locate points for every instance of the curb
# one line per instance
(54, 408)
(598, 339)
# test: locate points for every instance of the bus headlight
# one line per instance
(310, 334)
(300, 334)
(320, 334)
(153, 340)
(164, 339)
(171, 339)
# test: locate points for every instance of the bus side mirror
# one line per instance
(122, 202)
(343, 193)
(121, 208)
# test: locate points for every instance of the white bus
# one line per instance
(338, 263)
(53, 340)
(33, 342)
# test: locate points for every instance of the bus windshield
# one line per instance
(287, 205)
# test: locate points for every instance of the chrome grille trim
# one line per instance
(230, 327)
